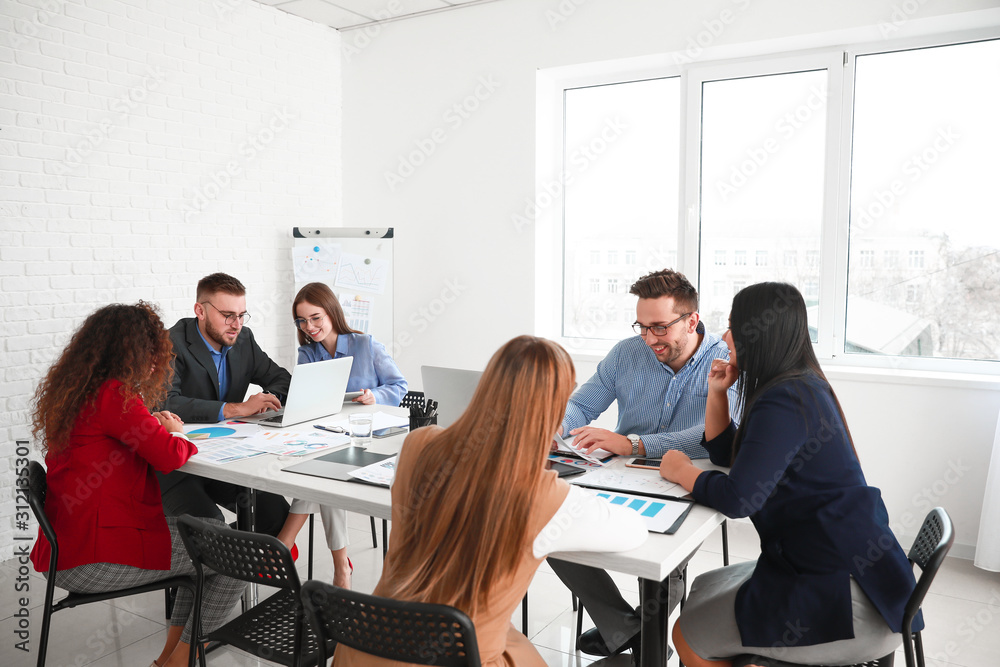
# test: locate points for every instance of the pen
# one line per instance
(331, 429)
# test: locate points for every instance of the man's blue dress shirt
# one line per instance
(666, 409)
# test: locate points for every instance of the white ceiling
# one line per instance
(350, 14)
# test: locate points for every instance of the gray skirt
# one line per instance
(708, 623)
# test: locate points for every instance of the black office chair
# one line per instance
(276, 629)
(412, 398)
(414, 632)
(928, 552)
(36, 499)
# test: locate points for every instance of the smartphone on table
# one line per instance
(649, 464)
(386, 432)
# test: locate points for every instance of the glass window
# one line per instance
(867, 259)
(595, 256)
(621, 162)
(923, 176)
(630, 256)
(762, 168)
(720, 257)
(791, 258)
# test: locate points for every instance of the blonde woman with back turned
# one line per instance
(474, 512)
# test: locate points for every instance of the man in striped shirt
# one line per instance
(660, 381)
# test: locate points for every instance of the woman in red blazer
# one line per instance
(101, 447)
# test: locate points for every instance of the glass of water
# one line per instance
(361, 428)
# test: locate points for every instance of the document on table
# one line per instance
(565, 446)
(380, 473)
(380, 420)
(661, 516)
(644, 482)
(224, 429)
(223, 450)
(294, 443)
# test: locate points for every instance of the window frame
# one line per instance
(838, 59)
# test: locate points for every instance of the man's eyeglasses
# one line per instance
(657, 329)
(231, 317)
(315, 320)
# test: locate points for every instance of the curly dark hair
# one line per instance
(116, 342)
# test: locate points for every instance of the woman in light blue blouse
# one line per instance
(324, 334)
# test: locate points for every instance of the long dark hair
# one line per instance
(116, 342)
(320, 294)
(770, 330)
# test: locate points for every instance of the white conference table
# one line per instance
(651, 563)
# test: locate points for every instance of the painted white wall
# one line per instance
(143, 146)
(447, 103)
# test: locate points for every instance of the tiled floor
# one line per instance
(962, 612)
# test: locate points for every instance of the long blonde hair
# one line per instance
(472, 492)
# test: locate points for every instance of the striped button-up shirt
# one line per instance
(666, 409)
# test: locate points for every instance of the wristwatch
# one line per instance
(634, 439)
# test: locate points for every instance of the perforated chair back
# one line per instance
(928, 552)
(250, 557)
(37, 491)
(414, 632)
(276, 628)
(413, 398)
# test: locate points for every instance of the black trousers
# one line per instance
(616, 619)
(201, 497)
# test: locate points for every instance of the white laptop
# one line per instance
(452, 388)
(317, 390)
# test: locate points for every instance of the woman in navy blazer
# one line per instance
(101, 447)
(831, 582)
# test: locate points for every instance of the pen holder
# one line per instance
(417, 422)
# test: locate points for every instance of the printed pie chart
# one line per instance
(210, 432)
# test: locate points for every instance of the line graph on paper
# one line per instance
(357, 272)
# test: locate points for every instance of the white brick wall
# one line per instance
(144, 144)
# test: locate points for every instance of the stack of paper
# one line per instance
(380, 473)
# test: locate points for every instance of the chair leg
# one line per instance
(524, 614)
(168, 602)
(579, 623)
(573, 601)
(309, 565)
(374, 537)
(725, 541)
(385, 537)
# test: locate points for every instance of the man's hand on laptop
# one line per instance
(254, 405)
(589, 439)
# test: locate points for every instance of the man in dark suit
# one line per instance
(217, 360)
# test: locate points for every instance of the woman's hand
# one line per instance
(171, 422)
(676, 466)
(672, 463)
(722, 376)
(366, 397)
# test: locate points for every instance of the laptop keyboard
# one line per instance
(276, 419)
